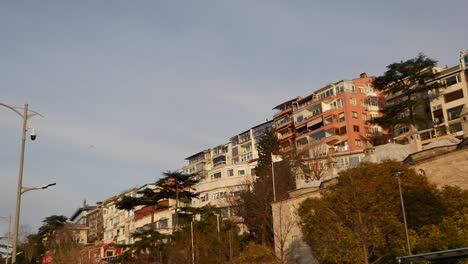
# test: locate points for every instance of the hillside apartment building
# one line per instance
(335, 115)
(226, 169)
(441, 108)
(329, 121)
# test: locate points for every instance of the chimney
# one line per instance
(363, 75)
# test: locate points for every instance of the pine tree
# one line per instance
(411, 80)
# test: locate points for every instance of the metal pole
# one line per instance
(404, 216)
(273, 178)
(20, 182)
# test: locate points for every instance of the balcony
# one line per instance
(286, 135)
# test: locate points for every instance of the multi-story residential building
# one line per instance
(94, 221)
(284, 126)
(199, 163)
(447, 103)
(80, 215)
(441, 108)
(336, 115)
(231, 169)
(118, 225)
(162, 219)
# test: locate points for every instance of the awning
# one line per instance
(434, 257)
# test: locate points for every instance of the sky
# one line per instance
(129, 89)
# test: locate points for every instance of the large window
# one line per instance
(458, 94)
(216, 176)
(456, 128)
(452, 80)
(454, 113)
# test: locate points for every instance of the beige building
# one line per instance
(118, 225)
(226, 169)
(78, 232)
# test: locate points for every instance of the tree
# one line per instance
(215, 240)
(255, 253)
(410, 80)
(255, 203)
(174, 185)
(50, 229)
(359, 220)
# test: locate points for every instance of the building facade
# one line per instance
(227, 170)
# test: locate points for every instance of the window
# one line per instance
(356, 128)
(454, 113)
(355, 115)
(452, 80)
(376, 131)
(230, 172)
(252, 171)
(340, 131)
(109, 253)
(163, 223)
(241, 172)
(458, 94)
(216, 176)
(352, 101)
(353, 161)
(357, 142)
(335, 104)
(236, 193)
(438, 116)
(455, 128)
(341, 117)
(204, 197)
(362, 90)
(299, 118)
(330, 132)
(364, 117)
(328, 120)
(219, 195)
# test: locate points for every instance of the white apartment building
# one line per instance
(118, 224)
(226, 169)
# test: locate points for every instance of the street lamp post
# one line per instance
(26, 115)
(398, 175)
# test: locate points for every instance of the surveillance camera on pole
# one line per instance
(33, 134)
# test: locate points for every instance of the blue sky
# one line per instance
(130, 88)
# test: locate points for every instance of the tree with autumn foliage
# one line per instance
(359, 220)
